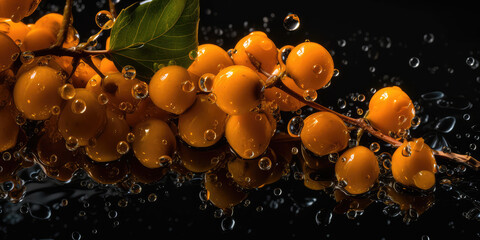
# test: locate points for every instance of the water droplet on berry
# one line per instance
(104, 19)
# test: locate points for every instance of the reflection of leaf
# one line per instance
(154, 32)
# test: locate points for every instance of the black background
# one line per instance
(456, 28)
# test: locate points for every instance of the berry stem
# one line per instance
(67, 19)
(113, 11)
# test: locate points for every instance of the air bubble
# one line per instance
(67, 91)
(374, 147)
(206, 82)
(188, 86)
(129, 72)
(71, 143)
(122, 147)
(140, 90)
(414, 62)
(27, 57)
(295, 126)
(78, 106)
(210, 135)
(291, 22)
(265, 164)
(310, 95)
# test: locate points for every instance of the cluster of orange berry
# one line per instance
(219, 116)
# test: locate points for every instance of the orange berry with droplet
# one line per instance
(210, 59)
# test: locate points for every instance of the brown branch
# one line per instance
(88, 60)
(67, 20)
(358, 122)
(113, 11)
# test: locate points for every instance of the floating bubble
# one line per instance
(291, 22)
(429, 37)
(140, 90)
(265, 163)
(210, 135)
(71, 143)
(122, 147)
(205, 82)
(129, 72)
(67, 91)
(310, 95)
(27, 57)
(78, 106)
(294, 126)
(188, 86)
(414, 62)
(374, 147)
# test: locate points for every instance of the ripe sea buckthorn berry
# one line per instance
(358, 169)
(310, 65)
(106, 173)
(203, 124)
(324, 133)
(172, 90)
(50, 21)
(17, 9)
(414, 165)
(82, 118)
(39, 38)
(36, 92)
(145, 110)
(284, 101)
(8, 48)
(118, 89)
(107, 66)
(105, 148)
(260, 47)
(84, 72)
(210, 59)
(154, 143)
(237, 89)
(8, 128)
(248, 134)
(201, 159)
(17, 31)
(391, 111)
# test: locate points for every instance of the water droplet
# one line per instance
(361, 97)
(165, 161)
(359, 111)
(122, 147)
(341, 103)
(317, 69)
(323, 217)
(265, 164)
(104, 19)
(333, 157)
(56, 110)
(210, 135)
(6, 156)
(78, 106)
(291, 22)
(129, 72)
(27, 57)
(102, 99)
(294, 150)
(472, 62)
(76, 235)
(407, 151)
(206, 82)
(466, 116)
(152, 197)
(130, 137)
(212, 98)
(193, 54)
(295, 126)
(446, 124)
(429, 37)
(277, 191)
(71, 143)
(140, 90)
(310, 95)
(67, 91)
(39, 211)
(414, 62)
(188, 86)
(336, 72)
(374, 147)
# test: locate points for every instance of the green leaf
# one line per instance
(155, 32)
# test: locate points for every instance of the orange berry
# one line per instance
(203, 124)
(172, 90)
(222, 190)
(391, 111)
(201, 159)
(248, 134)
(107, 66)
(260, 47)
(358, 169)
(237, 89)
(145, 110)
(105, 148)
(39, 38)
(284, 101)
(17, 9)
(50, 21)
(319, 125)
(253, 173)
(8, 48)
(210, 59)
(17, 31)
(310, 65)
(8, 128)
(82, 118)
(414, 165)
(84, 72)
(154, 143)
(118, 89)
(36, 92)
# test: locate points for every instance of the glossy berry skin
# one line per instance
(210, 59)
(153, 140)
(17, 31)
(44, 32)
(203, 124)
(105, 147)
(260, 47)
(247, 173)
(238, 89)
(167, 89)
(36, 92)
(222, 190)
(310, 65)
(85, 124)
(391, 110)
(17, 9)
(7, 49)
(358, 168)
(119, 91)
(144, 110)
(248, 134)
(324, 133)
(284, 101)
(414, 165)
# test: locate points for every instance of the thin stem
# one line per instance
(113, 11)
(358, 122)
(67, 20)
(88, 60)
